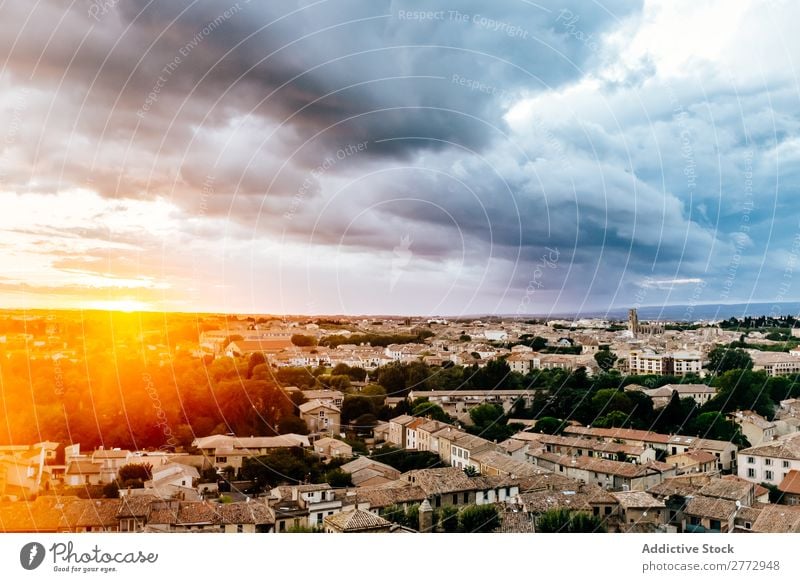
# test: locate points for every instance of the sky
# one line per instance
(398, 157)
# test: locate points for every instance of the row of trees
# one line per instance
(448, 519)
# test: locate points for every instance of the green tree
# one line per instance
(256, 359)
(394, 513)
(549, 425)
(338, 478)
(741, 390)
(605, 401)
(676, 414)
(614, 419)
(431, 410)
(355, 406)
(722, 359)
(406, 460)
(448, 519)
(605, 359)
(301, 340)
(281, 466)
(565, 521)
(486, 414)
(714, 425)
(135, 471)
(111, 490)
(479, 519)
(392, 377)
(291, 424)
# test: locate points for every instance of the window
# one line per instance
(715, 524)
(222, 459)
(767, 462)
(747, 525)
(751, 473)
(466, 497)
(786, 464)
(768, 475)
(596, 510)
(438, 501)
(751, 460)
(607, 510)
(239, 528)
(455, 499)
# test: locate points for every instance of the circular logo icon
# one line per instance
(31, 555)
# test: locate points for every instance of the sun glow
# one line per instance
(125, 305)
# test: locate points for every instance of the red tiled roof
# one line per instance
(791, 483)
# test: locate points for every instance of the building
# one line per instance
(560, 493)
(692, 461)
(173, 479)
(356, 521)
(492, 462)
(770, 462)
(426, 441)
(316, 500)
(724, 451)
(522, 362)
(411, 433)
(775, 363)
(321, 417)
(223, 451)
(451, 486)
(576, 446)
(110, 461)
(366, 472)
(709, 514)
(635, 328)
(640, 512)
(80, 473)
(672, 364)
(330, 448)
(266, 346)
(397, 430)
(332, 397)
(790, 488)
(460, 401)
(755, 427)
(610, 475)
(700, 393)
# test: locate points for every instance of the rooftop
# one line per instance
(637, 499)
(356, 520)
(791, 483)
(787, 447)
(711, 507)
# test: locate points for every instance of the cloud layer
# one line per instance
(380, 157)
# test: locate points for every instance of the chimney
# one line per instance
(425, 517)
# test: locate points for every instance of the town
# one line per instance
(137, 422)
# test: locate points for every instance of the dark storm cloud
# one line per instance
(355, 124)
(348, 71)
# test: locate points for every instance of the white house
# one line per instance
(770, 462)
